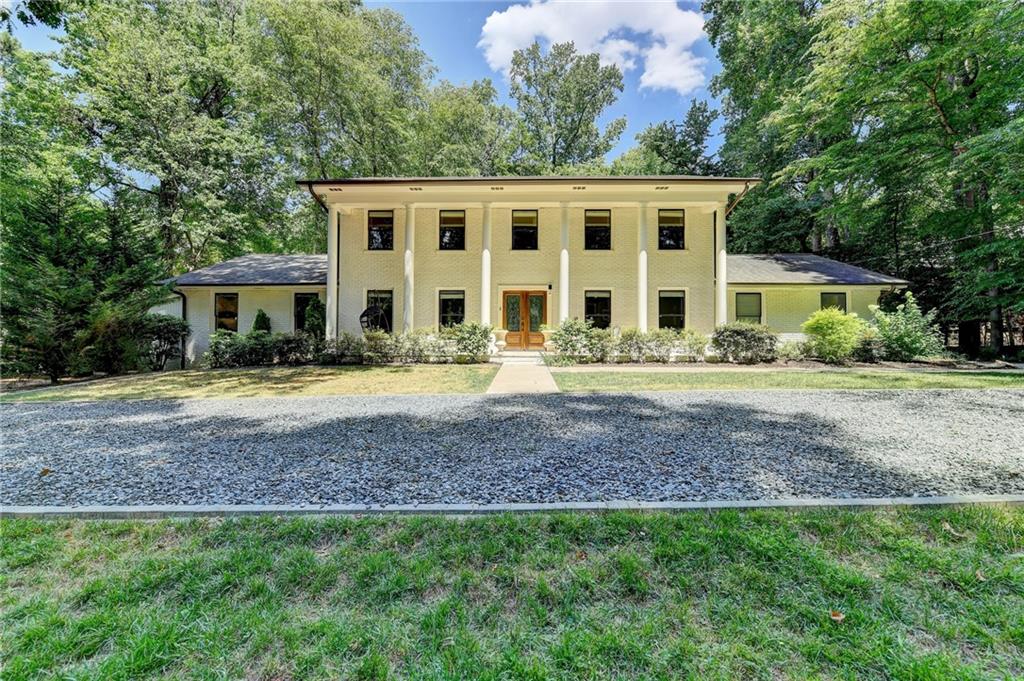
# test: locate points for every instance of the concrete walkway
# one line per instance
(522, 372)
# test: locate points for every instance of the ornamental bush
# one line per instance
(573, 338)
(261, 322)
(472, 340)
(832, 335)
(315, 323)
(601, 345)
(633, 345)
(744, 343)
(347, 348)
(378, 347)
(907, 333)
(660, 344)
(692, 345)
(165, 334)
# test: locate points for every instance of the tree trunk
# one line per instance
(969, 337)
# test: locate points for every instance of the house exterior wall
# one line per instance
(615, 270)
(785, 308)
(277, 301)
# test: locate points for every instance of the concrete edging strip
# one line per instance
(184, 511)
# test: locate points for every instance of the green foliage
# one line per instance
(572, 338)
(869, 348)
(165, 334)
(661, 344)
(670, 148)
(601, 345)
(792, 351)
(634, 345)
(261, 322)
(907, 333)
(560, 96)
(693, 344)
(471, 340)
(832, 334)
(315, 322)
(744, 343)
(347, 348)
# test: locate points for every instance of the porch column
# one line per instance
(641, 267)
(410, 251)
(721, 276)
(563, 268)
(485, 269)
(333, 257)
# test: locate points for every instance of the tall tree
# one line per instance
(669, 147)
(560, 96)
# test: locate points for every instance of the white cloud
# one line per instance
(659, 35)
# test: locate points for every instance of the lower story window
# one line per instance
(302, 301)
(225, 306)
(451, 307)
(748, 308)
(384, 300)
(671, 309)
(597, 308)
(833, 300)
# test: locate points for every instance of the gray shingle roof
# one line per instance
(296, 270)
(800, 268)
(256, 270)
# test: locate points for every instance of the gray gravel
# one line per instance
(489, 449)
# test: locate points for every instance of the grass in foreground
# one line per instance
(275, 382)
(611, 381)
(924, 594)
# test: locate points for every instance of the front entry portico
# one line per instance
(522, 314)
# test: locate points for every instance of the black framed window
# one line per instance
(671, 230)
(451, 307)
(748, 308)
(302, 301)
(524, 230)
(597, 308)
(452, 231)
(597, 230)
(833, 300)
(671, 309)
(385, 300)
(225, 306)
(380, 230)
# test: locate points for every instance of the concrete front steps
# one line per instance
(524, 357)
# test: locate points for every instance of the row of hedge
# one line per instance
(463, 343)
(834, 336)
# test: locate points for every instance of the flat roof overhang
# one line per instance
(537, 190)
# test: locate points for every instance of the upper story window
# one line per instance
(671, 230)
(452, 231)
(451, 307)
(748, 308)
(597, 230)
(671, 309)
(524, 230)
(381, 230)
(597, 308)
(225, 311)
(833, 300)
(302, 301)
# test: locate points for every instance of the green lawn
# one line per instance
(275, 382)
(923, 594)
(611, 381)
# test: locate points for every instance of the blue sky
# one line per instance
(667, 61)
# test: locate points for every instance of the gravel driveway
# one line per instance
(526, 448)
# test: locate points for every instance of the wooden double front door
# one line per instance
(522, 314)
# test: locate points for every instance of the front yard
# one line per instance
(275, 382)
(761, 379)
(925, 594)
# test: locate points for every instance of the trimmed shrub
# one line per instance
(601, 345)
(261, 322)
(661, 343)
(472, 341)
(692, 345)
(792, 351)
(315, 323)
(634, 345)
(292, 348)
(572, 338)
(165, 335)
(744, 343)
(378, 347)
(832, 334)
(869, 347)
(347, 348)
(907, 333)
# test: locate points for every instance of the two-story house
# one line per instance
(522, 252)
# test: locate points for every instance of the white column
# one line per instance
(563, 268)
(485, 269)
(333, 230)
(721, 276)
(410, 250)
(641, 267)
